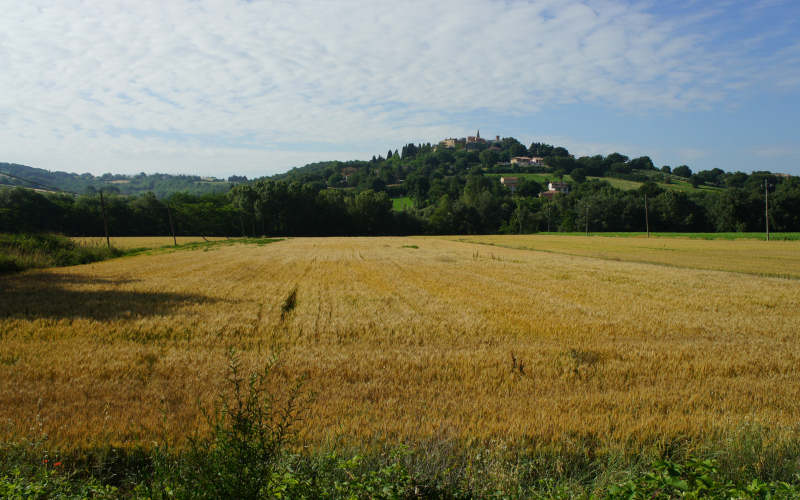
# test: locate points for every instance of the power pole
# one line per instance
(105, 219)
(171, 226)
(766, 206)
(587, 218)
(646, 217)
(548, 216)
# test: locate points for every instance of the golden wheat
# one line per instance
(774, 258)
(448, 339)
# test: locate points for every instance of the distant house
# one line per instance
(511, 183)
(527, 160)
(451, 142)
(554, 188)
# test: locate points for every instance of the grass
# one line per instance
(139, 242)
(402, 203)
(677, 184)
(19, 252)
(696, 236)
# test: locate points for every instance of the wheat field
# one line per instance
(409, 338)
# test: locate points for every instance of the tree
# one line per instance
(578, 175)
(488, 158)
(642, 163)
(335, 180)
(682, 171)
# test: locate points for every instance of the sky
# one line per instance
(217, 88)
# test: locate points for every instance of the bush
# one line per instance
(695, 479)
(23, 251)
(244, 455)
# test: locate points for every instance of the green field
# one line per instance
(402, 203)
(678, 184)
(694, 236)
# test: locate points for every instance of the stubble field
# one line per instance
(413, 339)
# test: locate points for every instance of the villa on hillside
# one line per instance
(452, 142)
(554, 188)
(469, 142)
(527, 160)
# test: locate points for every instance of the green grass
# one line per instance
(402, 203)
(677, 184)
(203, 245)
(19, 252)
(698, 236)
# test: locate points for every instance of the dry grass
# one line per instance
(130, 242)
(445, 340)
(774, 258)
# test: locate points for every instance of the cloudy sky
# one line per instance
(223, 87)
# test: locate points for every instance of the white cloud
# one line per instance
(153, 83)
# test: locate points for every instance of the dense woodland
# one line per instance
(452, 190)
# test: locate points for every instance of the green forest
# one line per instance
(418, 189)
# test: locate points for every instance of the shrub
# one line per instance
(244, 454)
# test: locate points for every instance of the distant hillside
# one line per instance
(162, 185)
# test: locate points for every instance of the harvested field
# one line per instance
(413, 338)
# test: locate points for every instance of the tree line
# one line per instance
(452, 190)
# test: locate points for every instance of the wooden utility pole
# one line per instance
(646, 217)
(587, 219)
(105, 219)
(549, 207)
(171, 226)
(766, 206)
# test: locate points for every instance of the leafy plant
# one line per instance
(695, 478)
(251, 427)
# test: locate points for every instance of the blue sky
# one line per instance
(229, 87)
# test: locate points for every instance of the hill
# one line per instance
(450, 188)
(161, 185)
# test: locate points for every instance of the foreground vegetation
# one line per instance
(24, 251)
(251, 451)
(430, 366)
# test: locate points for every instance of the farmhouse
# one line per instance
(527, 160)
(554, 188)
(452, 142)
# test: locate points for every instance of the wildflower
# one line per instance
(44, 461)
(57, 464)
